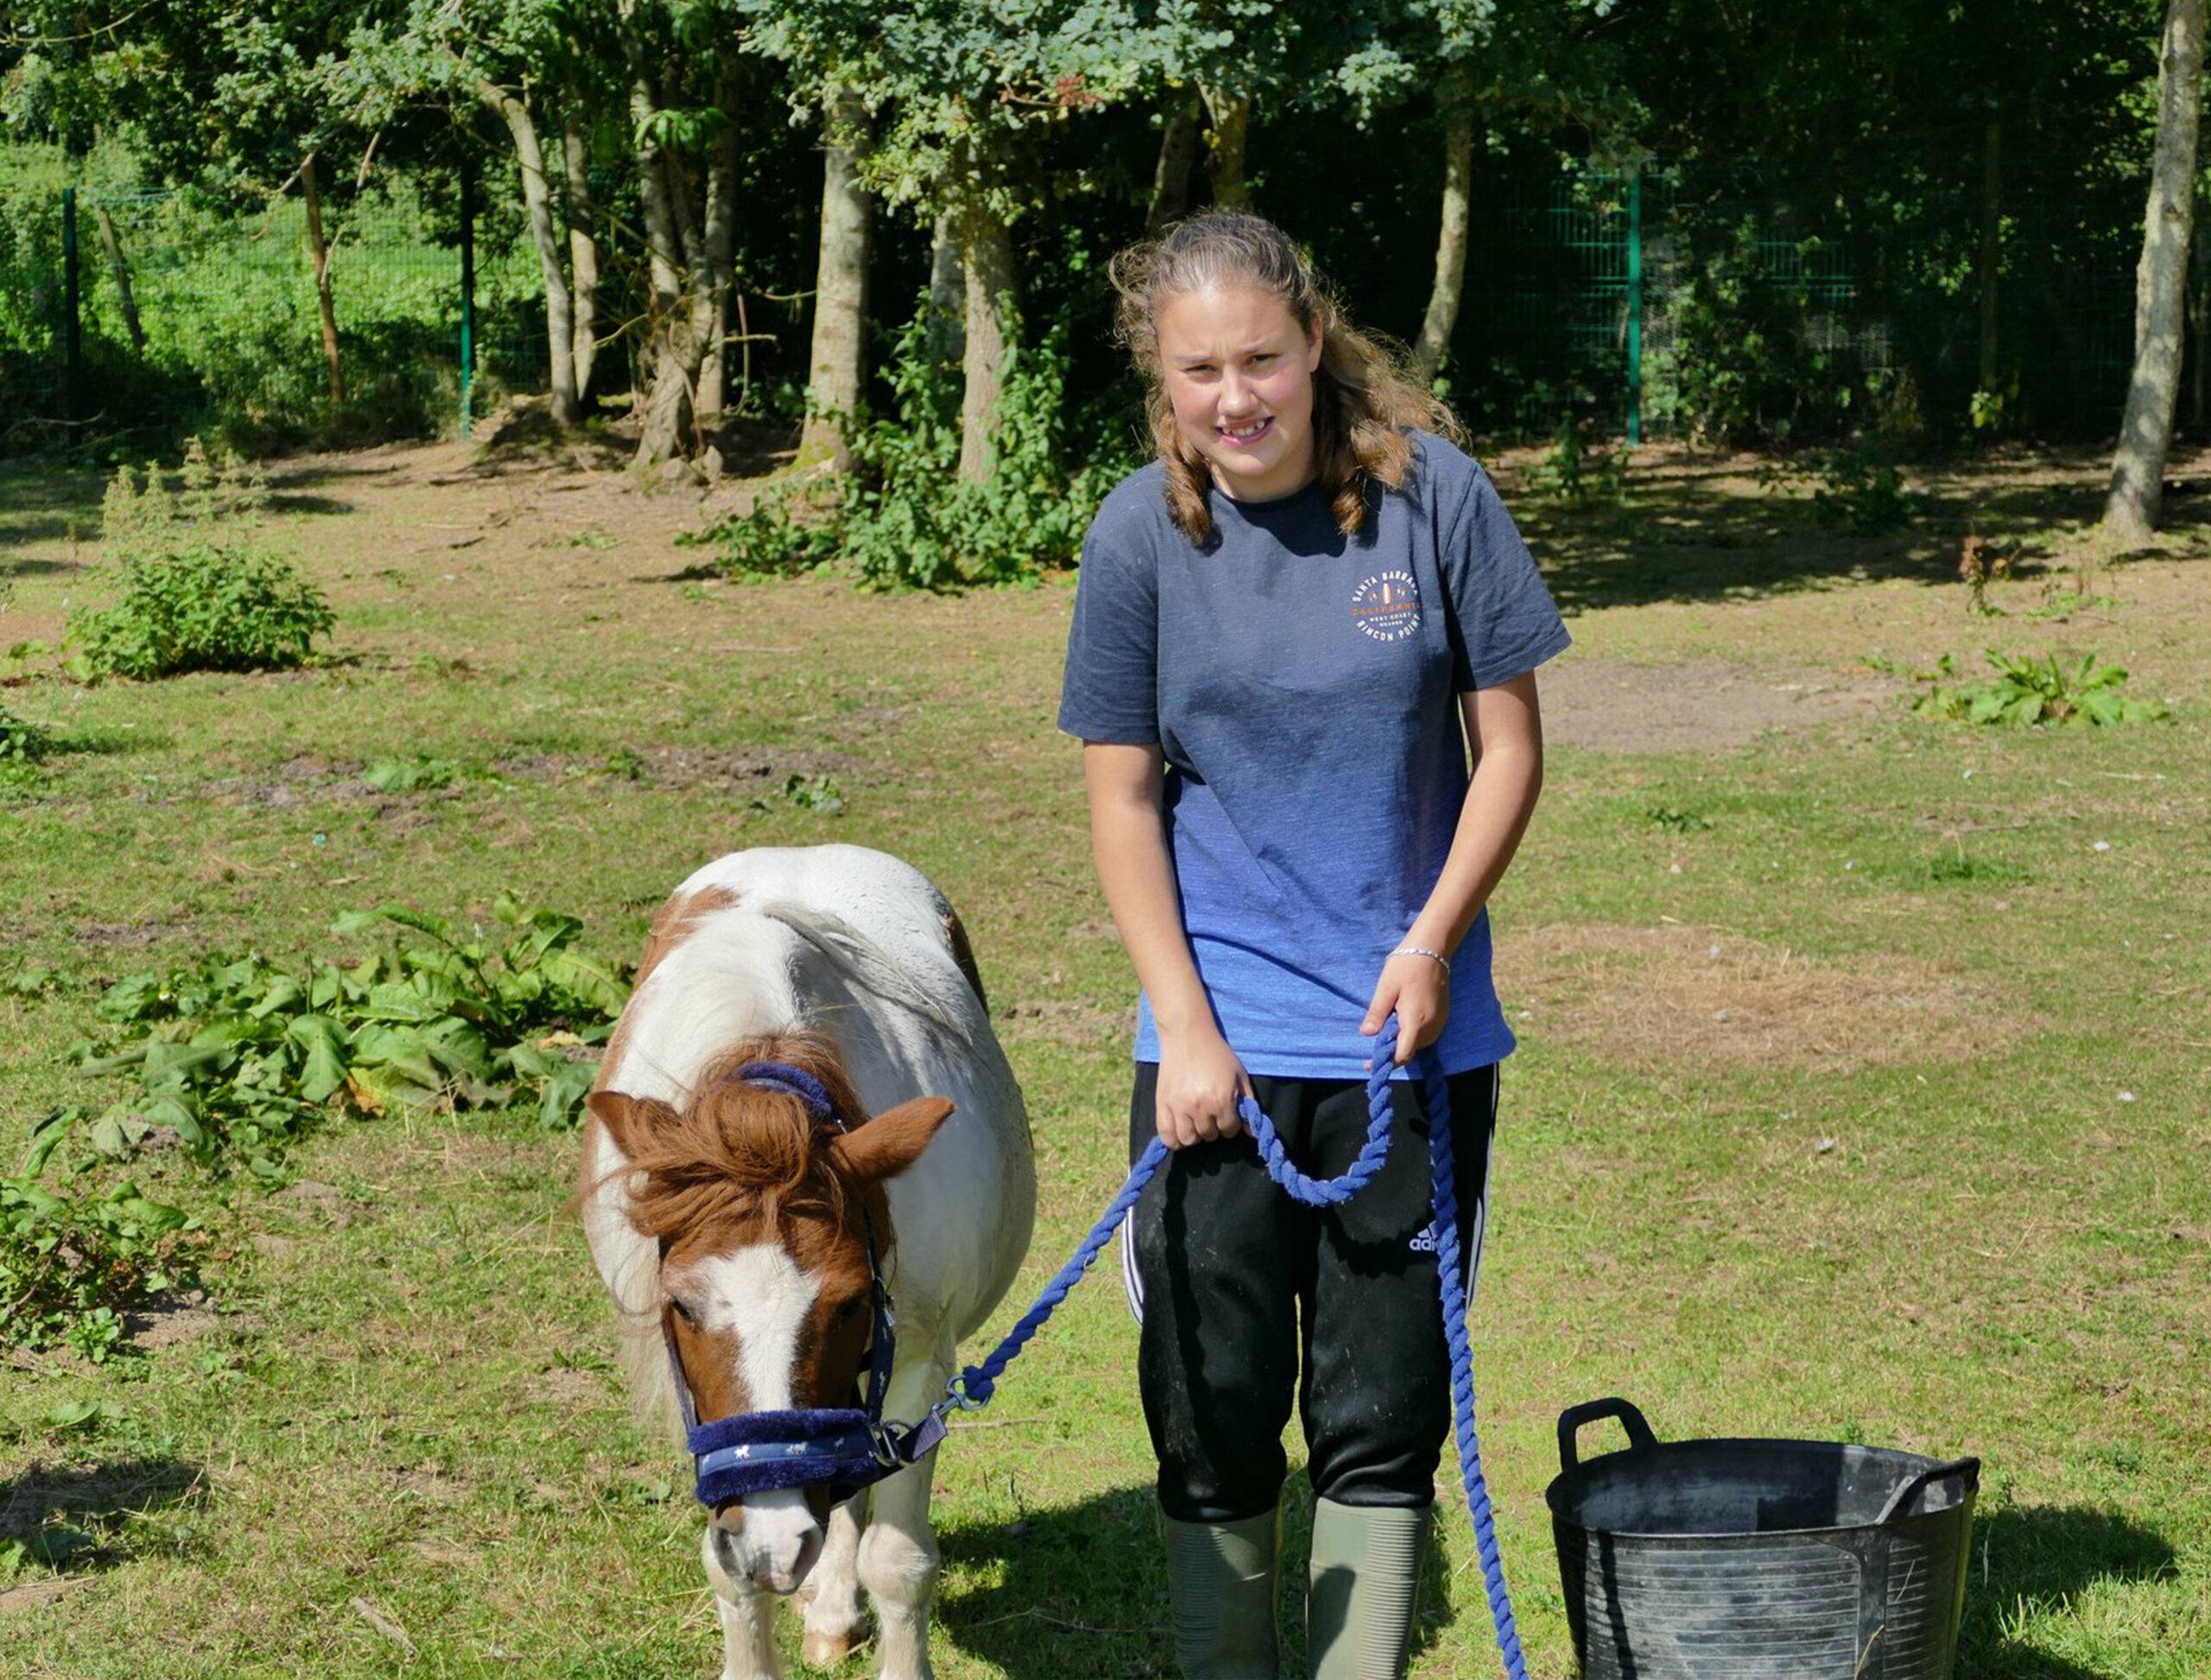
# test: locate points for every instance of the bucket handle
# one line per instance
(1913, 1488)
(1589, 1412)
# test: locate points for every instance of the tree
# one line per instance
(2137, 474)
(837, 364)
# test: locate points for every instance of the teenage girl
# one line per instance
(1292, 631)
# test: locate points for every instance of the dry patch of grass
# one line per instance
(1670, 996)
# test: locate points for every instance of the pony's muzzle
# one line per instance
(767, 1541)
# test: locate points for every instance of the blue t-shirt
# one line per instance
(1303, 687)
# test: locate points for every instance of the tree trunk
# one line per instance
(988, 251)
(1992, 248)
(2136, 499)
(1458, 102)
(662, 435)
(1170, 178)
(537, 199)
(318, 250)
(583, 258)
(121, 271)
(716, 267)
(840, 291)
(2199, 246)
(947, 291)
(1232, 123)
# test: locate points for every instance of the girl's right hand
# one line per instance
(1199, 1080)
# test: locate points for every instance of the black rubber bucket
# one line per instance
(1759, 1560)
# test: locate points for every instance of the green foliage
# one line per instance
(236, 1057)
(809, 793)
(415, 774)
(197, 595)
(1957, 866)
(68, 1265)
(21, 741)
(1861, 489)
(905, 519)
(2027, 691)
(1672, 820)
(1581, 463)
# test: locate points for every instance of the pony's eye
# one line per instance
(850, 1309)
(682, 1311)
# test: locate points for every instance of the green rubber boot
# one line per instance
(1365, 1583)
(1220, 1592)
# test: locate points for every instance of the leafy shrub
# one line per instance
(903, 517)
(1581, 463)
(2027, 691)
(197, 595)
(21, 741)
(68, 1266)
(240, 1057)
(1862, 488)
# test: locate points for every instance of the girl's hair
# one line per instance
(1364, 399)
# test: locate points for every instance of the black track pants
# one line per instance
(1247, 1297)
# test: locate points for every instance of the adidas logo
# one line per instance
(1423, 1240)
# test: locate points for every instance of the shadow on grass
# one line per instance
(76, 1517)
(2040, 1557)
(1082, 1590)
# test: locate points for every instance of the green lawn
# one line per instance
(1863, 1093)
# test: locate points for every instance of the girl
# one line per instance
(1290, 631)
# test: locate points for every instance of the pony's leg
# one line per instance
(833, 1609)
(748, 1619)
(898, 1555)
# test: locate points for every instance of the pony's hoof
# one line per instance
(827, 1650)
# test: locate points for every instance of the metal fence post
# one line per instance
(72, 330)
(467, 287)
(1634, 307)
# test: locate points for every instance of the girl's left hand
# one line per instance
(1419, 990)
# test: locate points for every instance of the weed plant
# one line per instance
(70, 1265)
(235, 1058)
(196, 593)
(2025, 692)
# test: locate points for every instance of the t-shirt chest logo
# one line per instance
(1386, 605)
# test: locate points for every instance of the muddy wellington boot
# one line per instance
(1364, 1585)
(1221, 1591)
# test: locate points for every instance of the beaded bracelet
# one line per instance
(1422, 951)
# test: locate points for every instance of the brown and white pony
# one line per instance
(727, 1221)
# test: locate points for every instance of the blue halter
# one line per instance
(845, 1448)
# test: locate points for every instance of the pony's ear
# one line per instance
(630, 1121)
(892, 1141)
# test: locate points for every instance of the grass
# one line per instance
(1933, 1182)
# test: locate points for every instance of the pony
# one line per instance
(745, 1223)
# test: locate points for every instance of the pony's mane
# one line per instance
(741, 1149)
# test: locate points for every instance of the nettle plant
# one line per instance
(70, 1265)
(198, 592)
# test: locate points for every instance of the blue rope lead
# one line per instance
(973, 1387)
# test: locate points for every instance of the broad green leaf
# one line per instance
(322, 1043)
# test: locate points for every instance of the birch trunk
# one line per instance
(836, 366)
(1231, 123)
(988, 251)
(537, 200)
(583, 261)
(1992, 249)
(716, 271)
(1436, 326)
(661, 434)
(1170, 177)
(2136, 499)
(319, 249)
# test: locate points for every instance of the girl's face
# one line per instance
(1239, 374)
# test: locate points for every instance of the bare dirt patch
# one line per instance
(173, 1320)
(1669, 996)
(1705, 705)
(740, 772)
(324, 1202)
(568, 1385)
(1064, 1021)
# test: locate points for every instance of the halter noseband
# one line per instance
(846, 1448)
